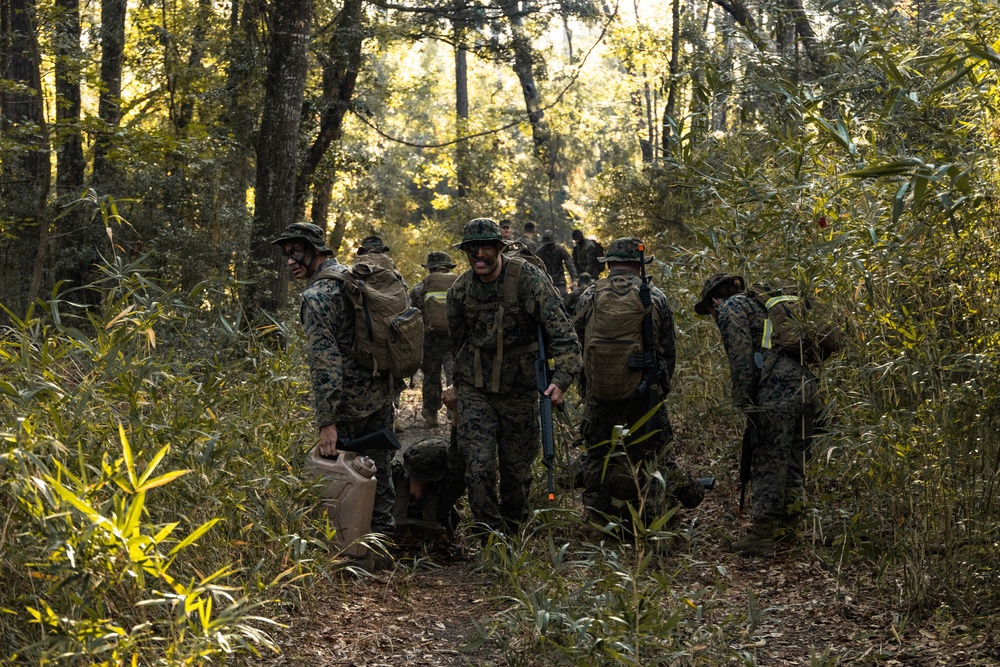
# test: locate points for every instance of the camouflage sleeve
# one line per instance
(569, 263)
(737, 337)
(539, 297)
(666, 345)
(322, 310)
(580, 323)
(455, 304)
(417, 295)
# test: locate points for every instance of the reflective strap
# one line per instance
(435, 295)
(765, 340)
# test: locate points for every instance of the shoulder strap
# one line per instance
(338, 272)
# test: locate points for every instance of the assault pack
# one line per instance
(795, 324)
(435, 308)
(612, 347)
(388, 332)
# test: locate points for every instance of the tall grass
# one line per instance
(148, 469)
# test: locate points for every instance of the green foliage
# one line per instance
(155, 509)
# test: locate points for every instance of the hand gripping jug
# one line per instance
(348, 492)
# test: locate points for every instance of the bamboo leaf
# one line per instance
(127, 450)
(152, 464)
(198, 532)
(165, 478)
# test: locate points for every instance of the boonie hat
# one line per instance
(716, 281)
(438, 259)
(625, 249)
(426, 459)
(305, 231)
(585, 279)
(372, 244)
(480, 229)
(548, 236)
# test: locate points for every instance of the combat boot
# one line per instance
(758, 542)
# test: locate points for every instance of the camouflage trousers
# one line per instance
(787, 420)
(498, 434)
(615, 477)
(385, 493)
(437, 357)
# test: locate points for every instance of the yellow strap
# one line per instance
(765, 340)
(436, 295)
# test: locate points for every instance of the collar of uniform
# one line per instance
(621, 272)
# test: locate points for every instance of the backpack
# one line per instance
(518, 249)
(613, 336)
(388, 332)
(796, 325)
(435, 308)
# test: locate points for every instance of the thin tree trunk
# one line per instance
(341, 66)
(670, 109)
(322, 195)
(24, 179)
(277, 149)
(109, 101)
(69, 61)
(461, 112)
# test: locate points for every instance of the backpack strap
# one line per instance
(765, 341)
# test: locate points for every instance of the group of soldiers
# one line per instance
(484, 329)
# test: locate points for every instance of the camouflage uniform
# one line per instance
(585, 258)
(440, 464)
(437, 344)
(571, 300)
(498, 422)
(786, 407)
(609, 483)
(556, 258)
(345, 393)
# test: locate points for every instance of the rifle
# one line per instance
(383, 439)
(647, 361)
(545, 408)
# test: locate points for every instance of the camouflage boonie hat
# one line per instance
(718, 280)
(305, 231)
(548, 236)
(372, 244)
(480, 229)
(426, 459)
(624, 250)
(438, 259)
(585, 279)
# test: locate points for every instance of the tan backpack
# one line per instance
(388, 332)
(612, 341)
(795, 324)
(435, 308)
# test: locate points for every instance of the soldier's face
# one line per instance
(505, 232)
(299, 257)
(484, 258)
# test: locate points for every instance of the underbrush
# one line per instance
(155, 513)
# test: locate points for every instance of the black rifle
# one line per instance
(751, 434)
(653, 386)
(545, 408)
(383, 439)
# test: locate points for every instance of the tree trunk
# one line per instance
(277, 154)
(670, 109)
(461, 112)
(322, 194)
(741, 15)
(341, 66)
(109, 101)
(24, 179)
(70, 164)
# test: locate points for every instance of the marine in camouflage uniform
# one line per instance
(573, 298)
(557, 261)
(495, 338)
(349, 399)
(609, 483)
(528, 237)
(784, 408)
(585, 255)
(437, 344)
(429, 481)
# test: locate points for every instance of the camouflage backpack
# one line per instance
(435, 308)
(518, 250)
(388, 332)
(612, 341)
(795, 324)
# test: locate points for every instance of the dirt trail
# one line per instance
(801, 608)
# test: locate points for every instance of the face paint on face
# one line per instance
(484, 258)
(299, 257)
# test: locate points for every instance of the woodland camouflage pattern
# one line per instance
(786, 408)
(585, 258)
(498, 431)
(437, 357)
(603, 490)
(346, 393)
(555, 258)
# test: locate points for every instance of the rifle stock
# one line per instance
(382, 439)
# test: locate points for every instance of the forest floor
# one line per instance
(800, 607)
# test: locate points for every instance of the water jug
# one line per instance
(348, 492)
